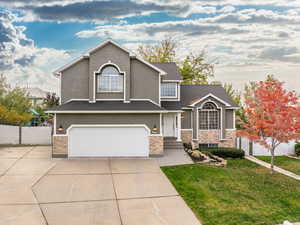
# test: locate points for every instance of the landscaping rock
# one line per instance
(200, 157)
(197, 155)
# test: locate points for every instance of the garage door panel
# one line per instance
(108, 142)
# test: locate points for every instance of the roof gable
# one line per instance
(209, 96)
(192, 94)
(102, 44)
(109, 41)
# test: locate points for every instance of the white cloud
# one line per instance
(23, 63)
(101, 10)
(240, 74)
(247, 43)
(227, 9)
(254, 16)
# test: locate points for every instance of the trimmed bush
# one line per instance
(297, 149)
(225, 152)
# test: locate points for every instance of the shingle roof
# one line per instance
(108, 106)
(171, 105)
(170, 68)
(191, 93)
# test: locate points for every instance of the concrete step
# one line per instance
(174, 148)
(168, 138)
(173, 144)
(172, 141)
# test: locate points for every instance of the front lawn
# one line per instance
(244, 193)
(284, 162)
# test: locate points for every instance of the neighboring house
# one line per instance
(36, 95)
(116, 104)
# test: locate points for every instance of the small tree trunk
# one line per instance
(272, 160)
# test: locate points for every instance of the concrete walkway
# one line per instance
(35, 189)
(174, 157)
(277, 169)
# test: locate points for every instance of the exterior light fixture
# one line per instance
(60, 128)
(154, 129)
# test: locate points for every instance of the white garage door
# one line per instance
(108, 141)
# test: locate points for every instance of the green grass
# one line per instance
(242, 194)
(284, 162)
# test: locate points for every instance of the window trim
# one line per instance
(176, 90)
(217, 109)
(92, 99)
(99, 74)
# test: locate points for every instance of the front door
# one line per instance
(169, 125)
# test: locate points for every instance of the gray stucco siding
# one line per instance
(144, 81)
(66, 120)
(115, 55)
(229, 118)
(74, 81)
(186, 122)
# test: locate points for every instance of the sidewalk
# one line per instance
(277, 169)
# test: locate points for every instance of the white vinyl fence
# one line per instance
(25, 135)
(251, 148)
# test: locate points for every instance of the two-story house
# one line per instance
(114, 104)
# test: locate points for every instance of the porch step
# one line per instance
(172, 143)
(175, 148)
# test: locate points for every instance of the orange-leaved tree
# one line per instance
(272, 114)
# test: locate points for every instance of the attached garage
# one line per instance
(108, 141)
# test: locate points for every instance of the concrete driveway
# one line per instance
(38, 190)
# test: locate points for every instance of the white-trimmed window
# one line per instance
(209, 117)
(168, 90)
(110, 80)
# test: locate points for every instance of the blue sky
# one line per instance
(245, 39)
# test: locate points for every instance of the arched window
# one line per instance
(110, 80)
(209, 117)
(209, 106)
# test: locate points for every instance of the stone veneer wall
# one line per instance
(210, 136)
(230, 139)
(156, 145)
(186, 136)
(213, 136)
(60, 146)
